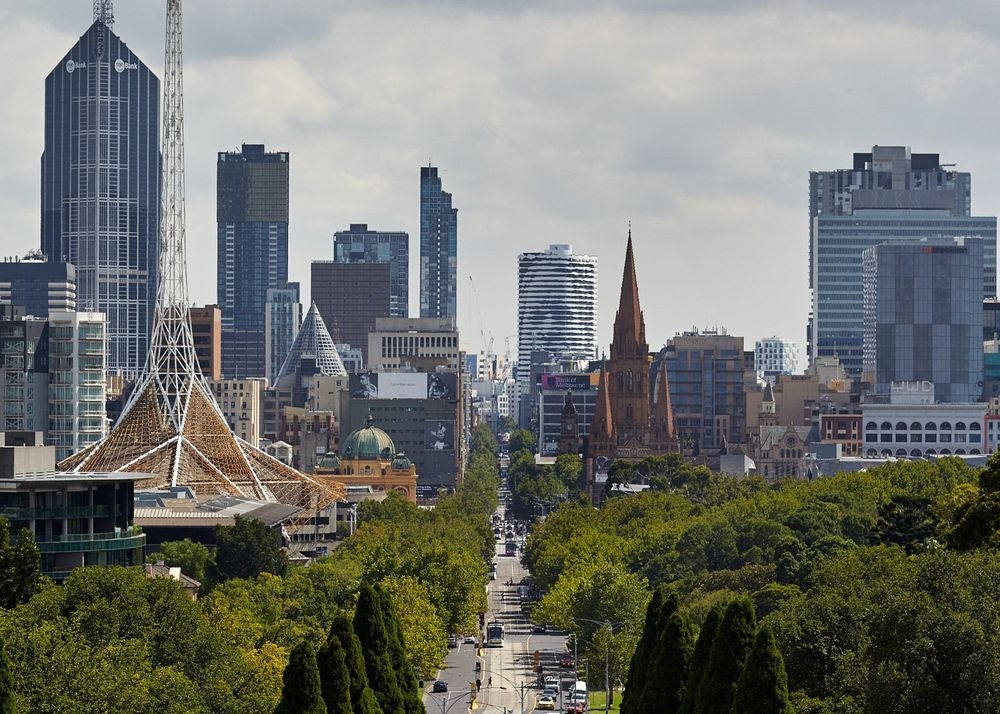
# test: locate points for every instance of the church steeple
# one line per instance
(663, 416)
(602, 426)
(630, 327)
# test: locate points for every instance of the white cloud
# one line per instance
(552, 123)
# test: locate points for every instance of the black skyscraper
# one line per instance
(101, 186)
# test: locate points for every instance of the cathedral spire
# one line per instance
(663, 418)
(602, 425)
(630, 328)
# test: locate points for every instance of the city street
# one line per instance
(511, 667)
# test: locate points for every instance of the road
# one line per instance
(507, 673)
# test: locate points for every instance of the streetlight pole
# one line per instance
(515, 685)
(607, 655)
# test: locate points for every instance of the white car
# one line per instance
(545, 702)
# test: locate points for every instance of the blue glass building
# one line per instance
(889, 195)
(361, 245)
(438, 247)
(101, 186)
(252, 214)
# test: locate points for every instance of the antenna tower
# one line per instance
(171, 427)
(104, 13)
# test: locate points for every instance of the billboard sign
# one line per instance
(402, 385)
(442, 385)
(364, 385)
(564, 382)
(439, 435)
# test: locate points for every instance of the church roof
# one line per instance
(313, 339)
(629, 323)
(602, 424)
(768, 393)
(771, 435)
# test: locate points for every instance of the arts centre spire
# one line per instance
(171, 426)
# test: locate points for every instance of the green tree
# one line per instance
(421, 627)
(699, 660)
(650, 694)
(246, 549)
(192, 558)
(19, 567)
(405, 677)
(334, 678)
(362, 698)
(730, 649)
(301, 692)
(639, 663)
(522, 439)
(763, 685)
(568, 469)
(376, 644)
(669, 671)
(7, 705)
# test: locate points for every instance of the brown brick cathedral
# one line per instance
(632, 418)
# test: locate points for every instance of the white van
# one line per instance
(580, 689)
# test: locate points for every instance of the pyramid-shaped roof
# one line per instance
(313, 339)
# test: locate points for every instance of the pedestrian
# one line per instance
(489, 682)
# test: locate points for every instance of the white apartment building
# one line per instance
(77, 364)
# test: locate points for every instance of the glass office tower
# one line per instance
(438, 247)
(889, 195)
(252, 214)
(101, 186)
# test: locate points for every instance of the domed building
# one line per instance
(369, 458)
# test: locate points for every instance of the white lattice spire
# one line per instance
(172, 427)
(103, 12)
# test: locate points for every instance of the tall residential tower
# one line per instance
(438, 248)
(358, 244)
(556, 307)
(101, 185)
(252, 210)
(888, 195)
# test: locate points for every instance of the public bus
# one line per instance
(494, 634)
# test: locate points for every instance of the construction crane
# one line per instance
(482, 325)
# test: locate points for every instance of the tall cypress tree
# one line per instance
(763, 686)
(730, 649)
(7, 705)
(334, 678)
(370, 626)
(651, 694)
(699, 660)
(301, 692)
(406, 679)
(362, 698)
(640, 658)
(671, 662)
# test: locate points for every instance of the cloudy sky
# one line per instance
(552, 122)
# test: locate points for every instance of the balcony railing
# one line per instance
(28, 514)
(81, 542)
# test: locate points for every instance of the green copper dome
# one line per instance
(368, 443)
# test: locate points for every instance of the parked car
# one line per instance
(545, 702)
(440, 686)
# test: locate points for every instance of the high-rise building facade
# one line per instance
(413, 344)
(350, 297)
(923, 316)
(24, 371)
(888, 195)
(101, 186)
(708, 375)
(76, 381)
(773, 356)
(438, 248)
(556, 307)
(282, 317)
(361, 245)
(252, 214)
(35, 286)
(206, 330)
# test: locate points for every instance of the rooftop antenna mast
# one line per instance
(104, 13)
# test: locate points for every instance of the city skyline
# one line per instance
(710, 172)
